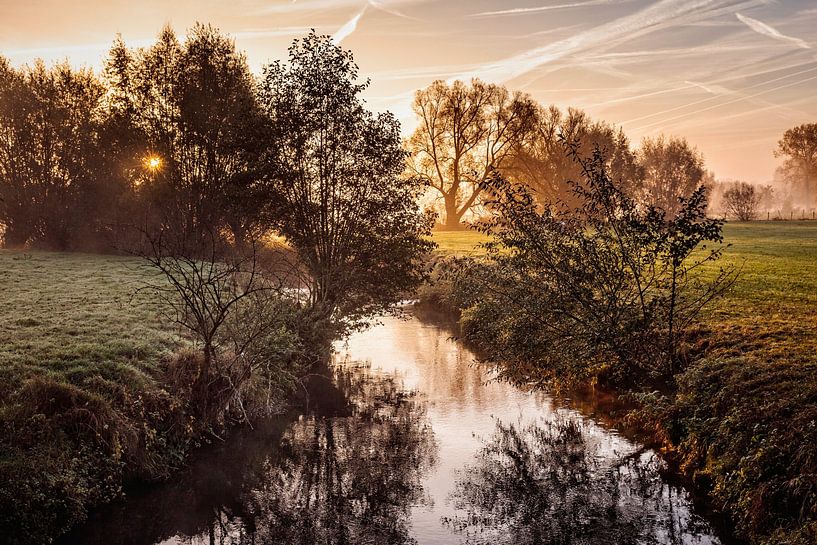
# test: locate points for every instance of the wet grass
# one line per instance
(67, 316)
(82, 402)
(774, 297)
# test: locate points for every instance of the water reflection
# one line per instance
(548, 482)
(349, 476)
(349, 479)
(411, 442)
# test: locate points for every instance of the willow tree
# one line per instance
(465, 132)
(337, 195)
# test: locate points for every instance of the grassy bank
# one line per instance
(91, 389)
(742, 423)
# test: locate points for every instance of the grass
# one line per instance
(83, 404)
(776, 288)
(69, 316)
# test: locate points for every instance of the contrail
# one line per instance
(716, 106)
(656, 17)
(710, 99)
(538, 9)
(349, 27)
(766, 30)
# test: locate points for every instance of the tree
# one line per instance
(799, 147)
(465, 132)
(741, 201)
(543, 160)
(50, 123)
(605, 288)
(672, 170)
(191, 107)
(230, 303)
(337, 195)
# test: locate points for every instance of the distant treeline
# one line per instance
(179, 135)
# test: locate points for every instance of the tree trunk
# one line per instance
(452, 216)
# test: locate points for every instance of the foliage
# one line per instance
(747, 428)
(232, 305)
(799, 147)
(673, 170)
(740, 421)
(336, 191)
(97, 394)
(465, 132)
(741, 201)
(55, 187)
(543, 161)
(605, 289)
(191, 107)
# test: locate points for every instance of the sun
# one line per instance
(153, 163)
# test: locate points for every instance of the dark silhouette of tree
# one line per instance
(337, 195)
(543, 161)
(190, 108)
(799, 148)
(672, 170)
(52, 163)
(465, 132)
(603, 288)
(741, 201)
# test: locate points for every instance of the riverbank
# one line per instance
(741, 421)
(421, 446)
(93, 389)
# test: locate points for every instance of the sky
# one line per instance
(729, 75)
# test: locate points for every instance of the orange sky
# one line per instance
(730, 75)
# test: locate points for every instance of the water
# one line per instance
(412, 442)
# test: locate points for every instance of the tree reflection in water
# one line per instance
(349, 479)
(348, 473)
(548, 483)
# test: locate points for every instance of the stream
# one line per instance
(412, 441)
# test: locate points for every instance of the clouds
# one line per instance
(766, 30)
(698, 68)
(349, 27)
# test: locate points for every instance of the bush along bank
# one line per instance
(609, 294)
(69, 442)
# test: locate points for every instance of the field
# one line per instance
(76, 324)
(776, 289)
(82, 401)
(68, 316)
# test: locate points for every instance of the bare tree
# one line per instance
(465, 132)
(228, 302)
(741, 201)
